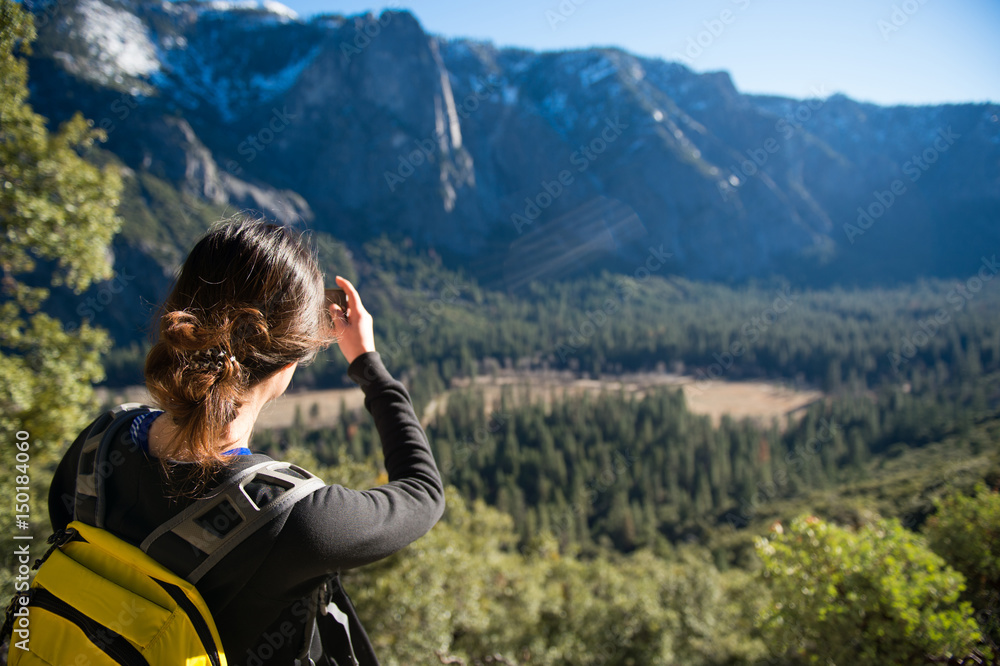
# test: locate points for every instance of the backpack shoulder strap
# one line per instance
(343, 636)
(212, 526)
(93, 467)
(208, 529)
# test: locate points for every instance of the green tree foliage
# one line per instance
(633, 467)
(475, 590)
(965, 531)
(843, 341)
(533, 585)
(465, 592)
(57, 214)
(877, 595)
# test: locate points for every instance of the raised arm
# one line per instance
(339, 528)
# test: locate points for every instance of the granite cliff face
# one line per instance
(515, 164)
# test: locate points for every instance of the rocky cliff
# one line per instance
(514, 164)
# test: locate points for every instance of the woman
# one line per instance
(248, 307)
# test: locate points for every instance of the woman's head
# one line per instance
(247, 303)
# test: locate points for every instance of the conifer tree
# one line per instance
(57, 218)
(55, 209)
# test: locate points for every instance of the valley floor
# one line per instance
(760, 400)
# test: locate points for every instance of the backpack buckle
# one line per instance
(323, 597)
(58, 540)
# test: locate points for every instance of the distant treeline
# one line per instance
(620, 471)
(902, 367)
(433, 324)
(609, 493)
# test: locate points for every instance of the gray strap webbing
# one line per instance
(239, 508)
(90, 480)
(341, 618)
(201, 506)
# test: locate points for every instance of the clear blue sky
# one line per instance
(924, 51)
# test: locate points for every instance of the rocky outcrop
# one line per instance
(366, 125)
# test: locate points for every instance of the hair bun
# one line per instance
(246, 303)
(177, 329)
(200, 346)
(249, 328)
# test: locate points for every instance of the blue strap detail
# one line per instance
(140, 429)
(140, 434)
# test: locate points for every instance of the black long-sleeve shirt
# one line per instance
(256, 594)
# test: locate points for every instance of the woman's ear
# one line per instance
(283, 378)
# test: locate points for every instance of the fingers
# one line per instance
(353, 300)
(356, 333)
(338, 315)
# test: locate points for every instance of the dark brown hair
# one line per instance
(250, 294)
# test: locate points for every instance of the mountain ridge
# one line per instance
(364, 125)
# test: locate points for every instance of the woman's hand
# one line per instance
(353, 328)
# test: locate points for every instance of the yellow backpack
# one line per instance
(98, 600)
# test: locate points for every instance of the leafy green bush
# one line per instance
(877, 595)
(465, 592)
(57, 219)
(965, 531)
